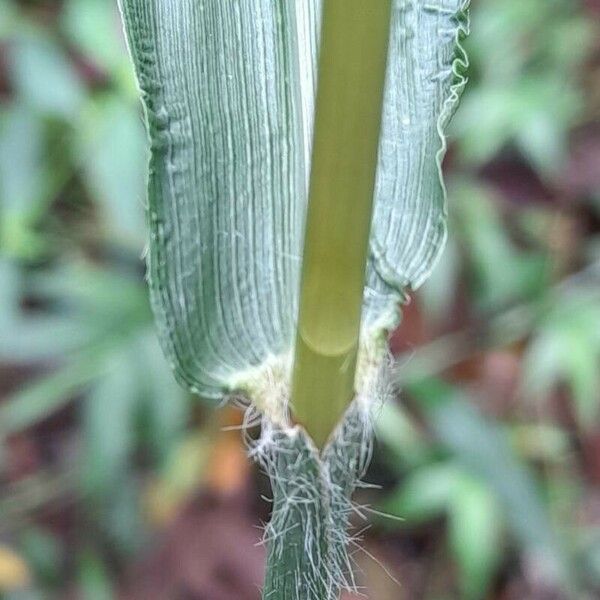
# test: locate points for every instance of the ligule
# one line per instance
(310, 536)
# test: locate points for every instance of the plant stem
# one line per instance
(352, 65)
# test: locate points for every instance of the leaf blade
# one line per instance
(225, 180)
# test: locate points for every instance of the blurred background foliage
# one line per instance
(116, 483)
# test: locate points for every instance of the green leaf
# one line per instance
(474, 535)
(93, 25)
(220, 82)
(22, 176)
(31, 336)
(44, 553)
(41, 398)
(566, 349)
(165, 404)
(481, 448)
(501, 274)
(526, 55)
(425, 79)
(440, 289)
(94, 578)
(43, 76)
(112, 146)
(425, 494)
(108, 422)
(401, 435)
(8, 18)
(21, 158)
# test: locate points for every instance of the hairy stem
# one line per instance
(352, 65)
(307, 537)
